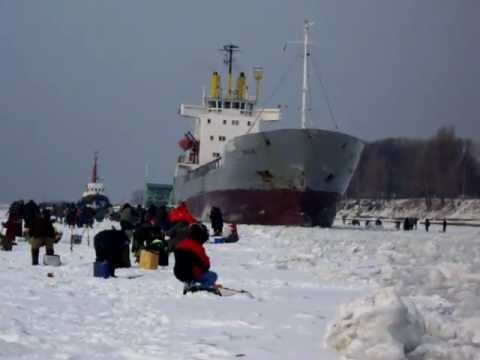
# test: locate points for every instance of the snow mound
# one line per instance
(452, 209)
(377, 327)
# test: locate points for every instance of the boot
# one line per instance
(35, 256)
(111, 269)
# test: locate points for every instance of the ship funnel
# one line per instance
(241, 85)
(215, 85)
(258, 76)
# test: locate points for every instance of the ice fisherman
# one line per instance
(192, 264)
(216, 219)
(180, 219)
(112, 246)
(148, 237)
(444, 225)
(13, 227)
(42, 233)
(427, 224)
(71, 216)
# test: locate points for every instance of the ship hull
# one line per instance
(280, 177)
(271, 207)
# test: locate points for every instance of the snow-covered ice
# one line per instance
(318, 294)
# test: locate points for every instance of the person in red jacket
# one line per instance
(180, 219)
(14, 228)
(191, 261)
(181, 214)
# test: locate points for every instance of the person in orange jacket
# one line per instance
(192, 263)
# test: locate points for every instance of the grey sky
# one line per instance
(86, 75)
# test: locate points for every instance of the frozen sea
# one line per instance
(340, 293)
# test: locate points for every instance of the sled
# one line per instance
(196, 287)
(219, 290)
(226, 291)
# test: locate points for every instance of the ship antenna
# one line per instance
(306, 54)
(95, 167)
(229, 50)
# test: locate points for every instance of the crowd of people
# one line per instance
(408, 223)
(156, 229)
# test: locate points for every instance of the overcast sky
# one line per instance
(108, 75)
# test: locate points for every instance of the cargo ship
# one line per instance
(278, 177)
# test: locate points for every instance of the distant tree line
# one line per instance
(444, 166)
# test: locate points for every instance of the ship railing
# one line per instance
(204, 169)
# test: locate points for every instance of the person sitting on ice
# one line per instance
(180, 219)
(148, 237)
(231, 235)
(192, 264)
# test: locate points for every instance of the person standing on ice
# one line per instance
(427, 224)
(71, 217)
(13, 227)
(192, 264)
(30, 212)
(42, 233)
(444, 225)
(216, 219)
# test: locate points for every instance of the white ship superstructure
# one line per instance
(221, 117)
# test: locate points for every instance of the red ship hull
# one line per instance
(269, 207)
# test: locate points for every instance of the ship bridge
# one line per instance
(222, 116)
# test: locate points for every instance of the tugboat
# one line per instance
(279, 177)
(94, 194)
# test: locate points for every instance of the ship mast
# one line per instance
(229, 50)
(95, 168)
(306, 53)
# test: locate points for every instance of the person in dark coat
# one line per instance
(144, 237)
(127, 217)
(216, 219)
(71, 216)
(408, 224)
(87, 215)
(427, 224)
(192, 263)
(140, 216)
(444, 225)
(42, 233)
(110, 246)
(30, 212)
(398, 223)
(151, 215)
(17, 208)
(162, 218)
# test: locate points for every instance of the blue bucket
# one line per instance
(101, 269)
